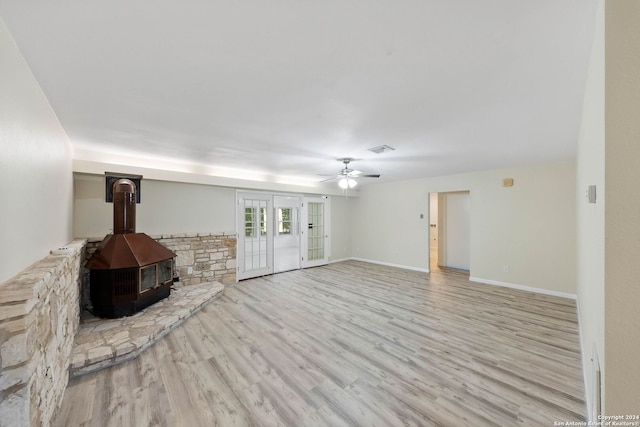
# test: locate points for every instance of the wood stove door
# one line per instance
(255, 237)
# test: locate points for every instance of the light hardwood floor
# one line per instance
(350, 344)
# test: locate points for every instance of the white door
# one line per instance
(315, 231)
(457, 229)
(255, 235)
(286, 234)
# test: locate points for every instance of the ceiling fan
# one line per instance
(346, 176)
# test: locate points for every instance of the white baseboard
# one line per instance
(471, 279)
(523, 288)
(389, 264)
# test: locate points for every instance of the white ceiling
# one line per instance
(286, 87)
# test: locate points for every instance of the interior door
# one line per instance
(286, 234)
(457, 229)
(255, 235)
(315, 232)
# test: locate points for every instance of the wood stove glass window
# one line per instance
(148, 278)
(165, 272)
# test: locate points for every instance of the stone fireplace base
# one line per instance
(101, 343)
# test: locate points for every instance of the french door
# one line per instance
(280, 232)
(255, 235)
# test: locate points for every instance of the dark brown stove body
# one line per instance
(129, 271)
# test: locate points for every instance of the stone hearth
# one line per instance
(101, 343)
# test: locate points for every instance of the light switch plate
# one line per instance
(591, 194)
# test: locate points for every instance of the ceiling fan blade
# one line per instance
(330, 179)
(348, 174)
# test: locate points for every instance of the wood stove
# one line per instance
(129, 271)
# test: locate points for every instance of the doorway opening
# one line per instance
(449, 230)
(433, 231)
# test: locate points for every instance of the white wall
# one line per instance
(609, 230)
(529, 227)
(590, 217)
(35, 167)
(386, 224)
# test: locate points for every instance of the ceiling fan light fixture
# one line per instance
(345, 183)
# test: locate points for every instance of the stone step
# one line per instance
(101, 343)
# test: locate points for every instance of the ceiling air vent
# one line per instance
(381, 149)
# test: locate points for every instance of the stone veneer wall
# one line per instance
(211, 256)
(39, 318)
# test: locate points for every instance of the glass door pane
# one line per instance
(315, 233)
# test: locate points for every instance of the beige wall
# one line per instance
(529, 227)
(165, 208)
(590, 217)
(180, 207)
(622, 208)
(340, 228)
(35, 168)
